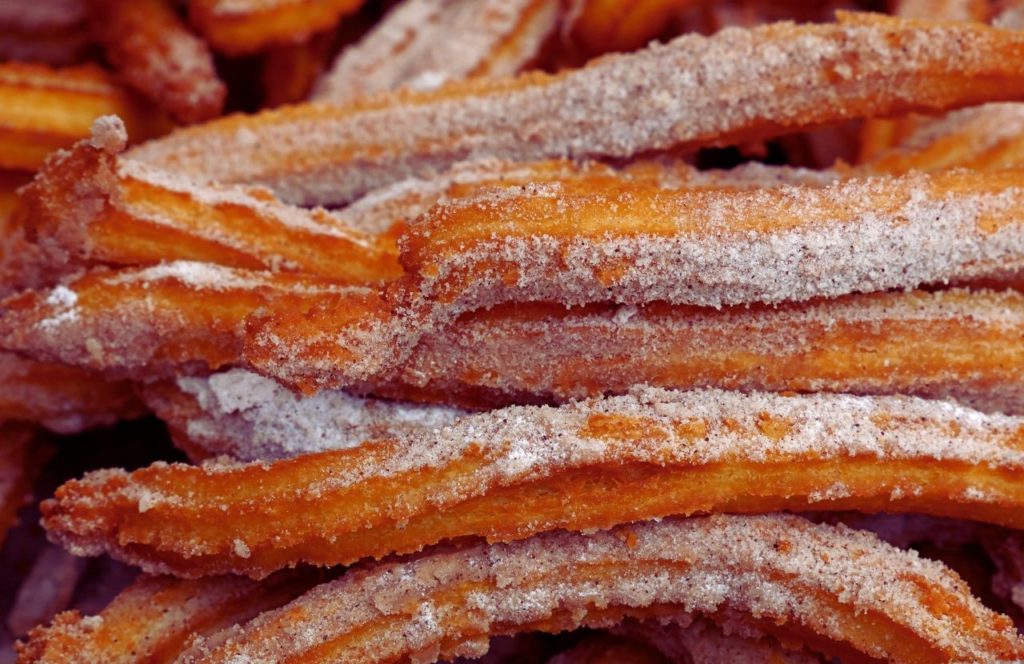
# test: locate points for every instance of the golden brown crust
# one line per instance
(620, 106)
(91, 206)
(73, 97)
(512, 473)
(154, 53)
(844, 591)
(155, 619)
(238, 27)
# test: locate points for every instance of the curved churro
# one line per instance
(155, 618)
(844, 592)
(62, 398)
(89, 205)
(152, 322)
(785, 77)
(670, 452)
(250, 418)
(154, 53)
(420, 44)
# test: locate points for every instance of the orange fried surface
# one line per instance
(43, 108)
(244, 26)
(511, 474)
(957, 344)
(852, 595)
(153, 619)
(155, 53)
(329, 154)
(153, 321)
(89, 206)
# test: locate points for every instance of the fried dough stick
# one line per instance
(43, 109)
(786, 77)
(626, 242)
(155, 322)
(247, 417)
(155, 53)
(239, 27)
(62, 398)
(959, 344)
(154, 619)
(949, 344)
(89, 206)
(879, 135)
(422, 43)
(984, 138)
(843, 592)
(512, 473)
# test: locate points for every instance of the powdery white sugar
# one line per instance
(250, 417)
(63, 300)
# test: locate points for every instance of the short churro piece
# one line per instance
(421, 44)
(154, 53)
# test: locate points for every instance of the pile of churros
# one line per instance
(567, 331)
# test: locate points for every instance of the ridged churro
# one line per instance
(845, 593)
(91, 206)
(509, 474)
(785, 77)
(43, 109)
(155, 618)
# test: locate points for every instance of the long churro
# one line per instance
(512, 473)
(845, 593)
(785, 77)
(949, 344)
